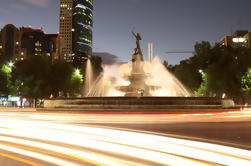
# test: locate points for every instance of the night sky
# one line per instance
(172, 25)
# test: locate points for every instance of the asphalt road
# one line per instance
(236, 134)
(30, 138)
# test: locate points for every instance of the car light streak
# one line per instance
(240, 116)
(46, 158)
(19, 159)
(47, 117)
(118, 149)
(94, 159)
(158, 149)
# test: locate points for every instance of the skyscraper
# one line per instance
(76, 29)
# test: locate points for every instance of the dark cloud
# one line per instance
(107, 58)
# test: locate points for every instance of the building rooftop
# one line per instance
(240, 32)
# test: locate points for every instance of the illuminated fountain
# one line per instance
(138, 85)
(136, 78)
(93, 88)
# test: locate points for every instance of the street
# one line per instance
(33, 138)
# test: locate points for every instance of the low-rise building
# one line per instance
(240, 38)
(19, 43)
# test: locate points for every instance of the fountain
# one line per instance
(93, 87)
(136, 78)
(139, 85)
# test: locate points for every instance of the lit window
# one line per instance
(37, 44)
(238, 40)
(241, 39)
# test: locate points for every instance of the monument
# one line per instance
(139, 93)
(137, 77)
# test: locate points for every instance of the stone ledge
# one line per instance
(140, 103)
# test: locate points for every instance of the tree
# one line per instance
(6, 87)
(170, 68)
(60, 77)
(203, 90)
(31, 77)
(188, 70)
(96, 62)
(37, 78)
(224, 67)
(188, 75)
(65, 78)
(165, 63)
(202, 56)
(78, 59)
(76, 83)
(224, 73)
(246, 83)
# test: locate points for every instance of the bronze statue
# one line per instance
(138, 48)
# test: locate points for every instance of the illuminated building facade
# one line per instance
(19, 43)
(239, 39)
(10, 42)
(76, 29)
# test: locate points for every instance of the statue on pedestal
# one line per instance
(138, 50)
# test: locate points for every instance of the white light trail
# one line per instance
(130, 144)
(42, 157)
(92, 158)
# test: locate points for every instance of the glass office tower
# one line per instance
(76, 29)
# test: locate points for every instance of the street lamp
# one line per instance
(77, 71)
(10, 64)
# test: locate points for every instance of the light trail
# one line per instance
(126, 150)
(19, 159)
(84, 144)
(46, 158)
(87, 157)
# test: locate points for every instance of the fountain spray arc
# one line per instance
(137, 78)
(93, 87)
(88, 78)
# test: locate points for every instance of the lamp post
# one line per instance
(10, 64)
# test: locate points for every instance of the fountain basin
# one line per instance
(141, 103)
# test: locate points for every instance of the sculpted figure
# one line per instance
(138, 48)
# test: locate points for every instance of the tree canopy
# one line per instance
(6, 87)
(31, 77)
(37, 78)
(246, 83)
(223, 67)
